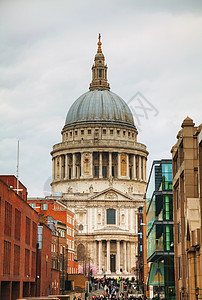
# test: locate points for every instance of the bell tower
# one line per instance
(99, 70)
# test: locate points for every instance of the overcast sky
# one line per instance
(47, 50)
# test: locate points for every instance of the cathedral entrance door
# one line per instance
(112, 263)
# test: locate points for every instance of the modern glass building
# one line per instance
(160, 239)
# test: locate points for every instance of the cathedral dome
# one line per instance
(99, 106)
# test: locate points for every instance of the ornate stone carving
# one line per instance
(111, 195)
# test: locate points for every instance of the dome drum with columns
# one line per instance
(100, 169)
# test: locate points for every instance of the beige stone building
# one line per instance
(99, 171)
(187, 202)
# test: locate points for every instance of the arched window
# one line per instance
(80, 252)
(111, 216)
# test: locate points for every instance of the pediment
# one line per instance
(111, 194)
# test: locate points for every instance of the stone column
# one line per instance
(91, 164)
(134, 167)
(73, 166)
(110, 164)
(53, 168)
(66, 166)
(61, 167)
(100, 165)
(143, 169)
(124, 257)
(129, 256)
(108, 257)
(100, 256)
(119, 165)
(127, 164)
(118, 257)
(140, 164)
(95, 253)
(81, 165)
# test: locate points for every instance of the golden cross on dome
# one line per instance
(99, 44)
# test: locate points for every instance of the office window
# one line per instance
(33, 267)
(27, 231)
(17, 224)
(8, 219)
(34, 234)
(178, 232)
(16, 267)
(111, 216)
(7, 258)
(27, 258)
(44, 206)
(179, 268)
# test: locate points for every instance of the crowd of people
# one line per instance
(117, 289)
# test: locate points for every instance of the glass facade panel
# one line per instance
(151, 214)
(151, 242)
(167, 176)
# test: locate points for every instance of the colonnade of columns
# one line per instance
(122, 251)
(105, 165)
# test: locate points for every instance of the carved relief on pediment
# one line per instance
(111, 196)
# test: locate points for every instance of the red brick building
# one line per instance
(18, 240)
(56, 209)
(47, 278)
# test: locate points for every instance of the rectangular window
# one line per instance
(17, 224)
(96, 171)
(44, 206)
(124, 133)
(104, 171)
(179, 268)
(130, 173)
(82, 132)
(178, 232)
(27, 231)
(111, 131)
(128, 133)
(16, 267)
(33, 271)
(7, 258)
(8, 219)
(70, 133)
(89, 131)
(178, 198)
(118, 132)
(112, 171)
(111, 216)
(76, 132)
(100, 73)
(104, 131)
(27, 254)
(34, 234)
(70, 173)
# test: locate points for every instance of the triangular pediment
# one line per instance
(111, 194)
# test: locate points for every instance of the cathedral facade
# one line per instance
(99, 169)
